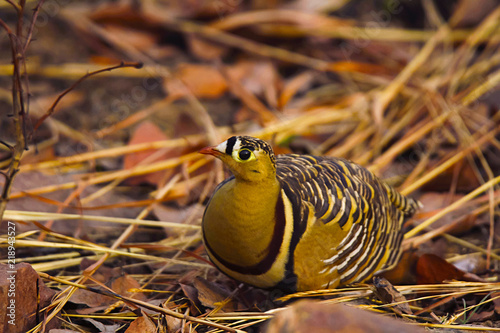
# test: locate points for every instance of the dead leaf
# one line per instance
(386, 292)
(120, 285)
(432, 269)
(310, 316)
(146, 132)
(91, 299)
(169, 324)
(103, 273)
(20, 288)
(212, 296)
(142, 324)
(201, 80)
(141, 40)
(192, 294)
(481, 316)
(103, 328)
(123, 284)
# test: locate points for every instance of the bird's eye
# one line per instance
(244, 154)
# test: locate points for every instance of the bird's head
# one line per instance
(248, 158)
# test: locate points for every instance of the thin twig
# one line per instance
(141, 304)
(18, 108)
(50, 111)
(36, 11)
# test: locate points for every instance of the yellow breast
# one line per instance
(300, 222)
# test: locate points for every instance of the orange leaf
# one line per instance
(145, 132)
(142, 325)
(432, 269)
(202, 80)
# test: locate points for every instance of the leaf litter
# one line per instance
(108, 198)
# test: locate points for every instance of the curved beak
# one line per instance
(210, 151)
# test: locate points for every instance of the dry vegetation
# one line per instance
(114, 99)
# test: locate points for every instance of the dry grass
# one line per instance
(432, 105)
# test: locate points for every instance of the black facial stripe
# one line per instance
(230, 144)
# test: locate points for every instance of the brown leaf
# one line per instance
(102, 327)
(120, 285)
(91, 299)
(141, 40)
(481, 316)
(103, 273)
(123, 286)
(142, 325)
(432, 269)
(20, 287)
(145, 132)
(192, 294)
(201, 80)
(212, 296)
(173, 324)
(309, 316)
(386, 292)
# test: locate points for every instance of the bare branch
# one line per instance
(50, 111)
(36, 11)
(18, 104)
(15, 5)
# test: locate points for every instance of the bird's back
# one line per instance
(344, 215)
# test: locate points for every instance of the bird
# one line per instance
(300, 222)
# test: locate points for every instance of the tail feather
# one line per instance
(407, 205)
